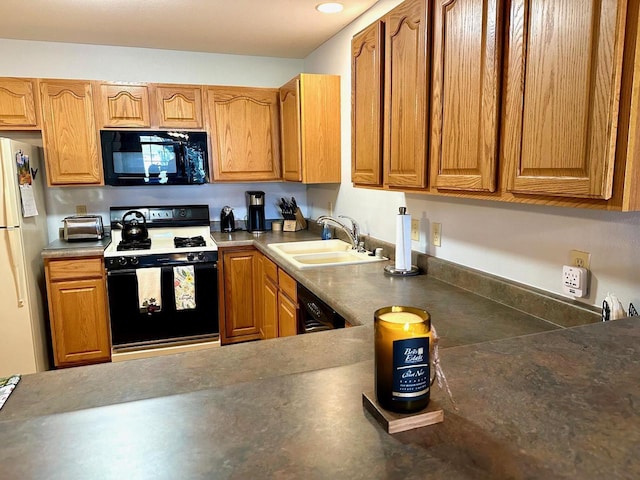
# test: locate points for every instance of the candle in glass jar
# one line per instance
(402, 370)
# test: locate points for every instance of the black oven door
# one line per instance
(132, 328)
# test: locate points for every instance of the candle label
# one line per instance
(410, 368)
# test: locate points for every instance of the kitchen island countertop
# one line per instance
(559, 404)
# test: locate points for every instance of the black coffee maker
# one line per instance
(255, 211)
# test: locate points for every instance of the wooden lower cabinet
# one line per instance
(258, 300)
(78, 311)
(240, 297)
(279, 301)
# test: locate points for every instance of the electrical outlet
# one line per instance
(575, 280)
(330, 208)
(580, 259)
(415, 229)
(436, 235)
(81, 209)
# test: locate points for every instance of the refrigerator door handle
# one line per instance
(14, 258)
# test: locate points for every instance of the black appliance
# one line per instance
(227, 220)
(315, 315)
(177, 237)
(255, 211)
(135, 157)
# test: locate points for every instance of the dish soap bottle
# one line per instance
(326, 233)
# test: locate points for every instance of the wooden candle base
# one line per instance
(400, 422)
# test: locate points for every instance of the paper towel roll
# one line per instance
(403, 240)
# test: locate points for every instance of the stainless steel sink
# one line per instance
(322, 253)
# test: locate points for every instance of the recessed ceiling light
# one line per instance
(330, 7)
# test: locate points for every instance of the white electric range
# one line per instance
(168, 251)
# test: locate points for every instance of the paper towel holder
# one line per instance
(392, 270)
(401, 272)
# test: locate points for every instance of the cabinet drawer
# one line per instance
(287, 285)
(270, 270)
(76, 268)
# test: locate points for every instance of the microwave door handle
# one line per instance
(183, 164)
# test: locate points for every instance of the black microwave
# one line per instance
(136, 157)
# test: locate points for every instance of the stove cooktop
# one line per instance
(172, 229)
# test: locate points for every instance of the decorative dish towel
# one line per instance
(149, 290)
(184, 285)
(7, 384)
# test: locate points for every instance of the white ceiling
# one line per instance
(273, 28)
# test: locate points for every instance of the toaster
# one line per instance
(82, 227)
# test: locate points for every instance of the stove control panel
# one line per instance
(129, 261)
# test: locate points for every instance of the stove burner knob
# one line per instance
(122, 261)
(201, 256)
(135, 260)
(190, 257)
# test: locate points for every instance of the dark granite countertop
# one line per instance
(535, 400)
(559, 404)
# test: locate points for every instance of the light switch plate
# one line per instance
(436, 237)
(415, 229)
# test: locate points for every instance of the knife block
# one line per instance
(294, 225)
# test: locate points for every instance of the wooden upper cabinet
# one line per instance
(562, 87)
(123, 105)
(69, 133)
(290, 129)
(367, 69)
(245, 133)
(310, 128)
(406, 87)
(465, 94)
(19, 105)
(179, 106)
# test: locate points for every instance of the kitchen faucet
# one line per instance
(352, 232)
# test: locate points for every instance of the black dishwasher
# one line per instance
(315, 315)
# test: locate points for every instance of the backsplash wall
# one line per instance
(61, 202)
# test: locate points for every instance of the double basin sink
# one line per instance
(322, 253)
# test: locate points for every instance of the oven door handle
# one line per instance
(116, 273)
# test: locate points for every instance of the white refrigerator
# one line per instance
(23, 333)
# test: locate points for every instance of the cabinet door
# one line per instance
(179, 106)
(320, 128)
(366, 105)
(287, 316)
(269, 310)
(80, 331)
(290, 125)
(69, 133)
(241, 307)
(245, 133)
(124, 105)
(465, 108)
(406, 85)
(18, 107)
(564, 64)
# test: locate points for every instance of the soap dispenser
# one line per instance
(326, 233)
